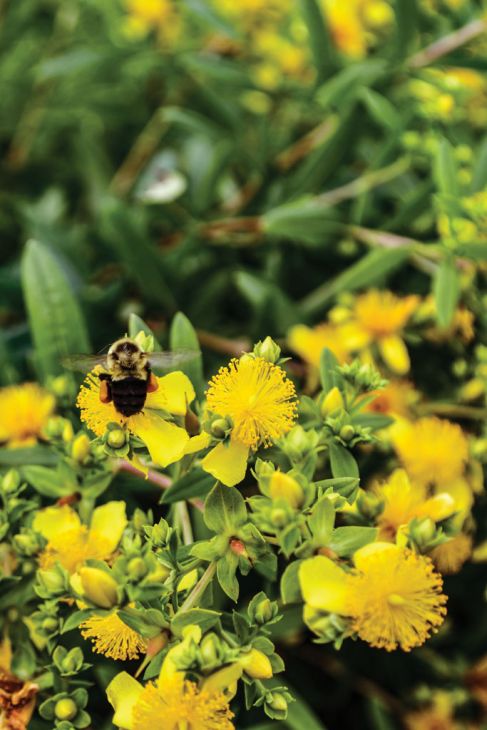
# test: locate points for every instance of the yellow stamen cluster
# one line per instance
(257, 396)
(433, 450)
(396, 600)
(112, 637)
(381, 313)
(24, 411)
(174, 709)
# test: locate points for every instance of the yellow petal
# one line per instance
(188, 580)
(170, 673)
(323, 584)
(395, 354)
(223, 679)
(123, 693)
(438, 507)
(198, 443)
(362, 555)
(227, 462)
(174, 394)
(166, 441)
(53, 521)
(354, 336)
(109, 522)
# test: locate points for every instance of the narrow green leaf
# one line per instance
(322, 521)
(182, 336)
(406, 12)
(303, 220)
(329, 375)
(56, 322)
(445, 170)
(380, 109)
(320, 41)
(342, 461)
(446, 290)
(301, 716)
(477, 250)
(479, 177)
(225, 572)
(32, 455)
(371, 269)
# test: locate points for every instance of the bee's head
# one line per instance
(125, 354)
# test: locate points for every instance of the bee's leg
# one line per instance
(152, 384)
(105, 388)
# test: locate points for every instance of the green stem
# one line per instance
(199, 589)
(185, 522)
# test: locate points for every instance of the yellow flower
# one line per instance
(350, 23)
(309, 342)
(72, 543)
(24, 411)
(261, 403)
(169, 706)
(146, 15)
(393, 599)
(112, 637)
(450, 556)
(404, 501)
(165, 441)
(438, 715)
(433, 450)
(379, 318)
(396, 399)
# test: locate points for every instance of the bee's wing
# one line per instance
(84, 363)
(170, 360)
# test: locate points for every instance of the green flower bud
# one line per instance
(65, 709)
(369, 505)
(50, 625)
(11, 481)
(99, 587)
(347, 433)
(52, 580)
(256, 664)
(26, 544)
(158, 533)
(264, 611)
(55, 427)
(268, 350)
(276, 701)
(136, 568)
(116, 438)
(423, 533)
(73, 661)
(68, 432)
(220, 428)
(279, 517)
(209, 649)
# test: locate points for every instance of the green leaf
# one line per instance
(47, 481)
(371, 269)
(304, 220)
(320, 41)
(329, 375)
(31, 455)
(322, 521)
(476, 250)
(201, 617)
(196, 483)
(225, 509)
(406, 12)
(182, 336)
(74, 620)
(342, 461)
(445, 170)
(446, 290)
(479, 177)
(225, 572)
(346, 540)
(380, 109)
(301, 716)
(56, 322)
(290, 588)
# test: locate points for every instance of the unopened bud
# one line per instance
(52, 580)
(347, 433)
(50, 624)
(137, 568)
(68, 432)
(99, 587)
(238, 547)
(220, 428)
(369, 505)
(333, 401)
(209, 649)
(423, 532)
(65, 709)
(264, 611)
(279, 517)
(268, 350)
(116, 438)
(26, 544)
(80, 448)
(256, 664)
(55, 427)
(283, 486)
(11, 481)
(276, 702)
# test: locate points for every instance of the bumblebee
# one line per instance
(126, 376)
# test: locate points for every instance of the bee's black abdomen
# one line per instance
(129, 395)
